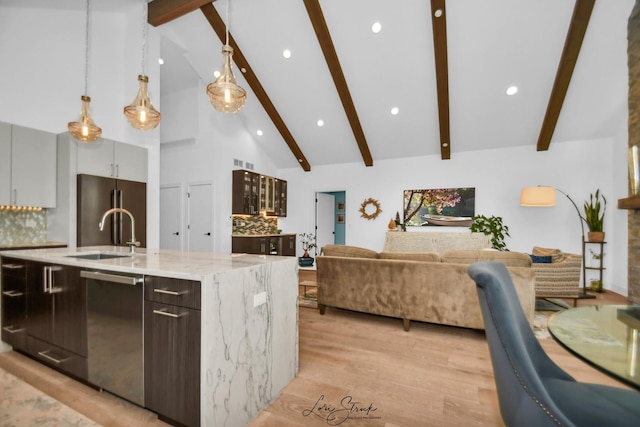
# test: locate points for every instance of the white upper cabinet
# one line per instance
(27, 167)
(5, 163)
(113, 159)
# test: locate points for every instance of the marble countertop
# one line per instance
(157, 262)
(30, 245)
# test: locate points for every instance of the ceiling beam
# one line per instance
(331, 57)
(220, 29)
(162, 11)
(439, 25)
(572, 45)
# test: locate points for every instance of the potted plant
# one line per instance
(596, 285)
(594, 216)
(308, 241)
(494, 227)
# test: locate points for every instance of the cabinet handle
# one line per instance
(164, 312)
(53, 359)
(177, 233)
(168, 292)
(117, 171)
(112, 171)
(13, 293)
(15, 196)
(12, 329)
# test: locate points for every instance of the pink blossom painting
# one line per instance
(439, 207)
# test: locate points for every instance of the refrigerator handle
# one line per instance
(120, 225)
(114, 226)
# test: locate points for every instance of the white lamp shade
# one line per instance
(538, 196)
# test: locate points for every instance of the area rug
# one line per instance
(23, 405)
(544, 309)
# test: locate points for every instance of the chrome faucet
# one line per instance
(133, 243)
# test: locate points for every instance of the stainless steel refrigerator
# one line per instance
(96, 195)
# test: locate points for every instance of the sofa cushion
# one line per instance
(411, 256)
(555, 254)
(348, 251)
(509, 259)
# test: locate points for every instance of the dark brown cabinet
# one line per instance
(245, 193)
(284, 245)
(14, 300)
(96, 195)
(57, 317)
(253, 193)
(288, 245)
(172, 349)
(280, 197)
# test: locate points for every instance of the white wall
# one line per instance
(220, 139)
(577, 168)
(43, 76)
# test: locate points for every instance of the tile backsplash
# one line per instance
(248, 225)
(23, 226)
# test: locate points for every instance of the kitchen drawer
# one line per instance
(184, 293)
(57, 357)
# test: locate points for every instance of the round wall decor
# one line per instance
(370, 208)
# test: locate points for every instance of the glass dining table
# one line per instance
(606, 336)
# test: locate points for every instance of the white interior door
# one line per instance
(171, 233)
(325, 221)
(200, 217)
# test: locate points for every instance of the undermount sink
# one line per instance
(99, 256)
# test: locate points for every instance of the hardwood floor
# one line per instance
(431, 376)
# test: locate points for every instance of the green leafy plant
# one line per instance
(309, 242)
(593, 216)
(494, 227)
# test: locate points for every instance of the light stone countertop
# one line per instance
(156, 262)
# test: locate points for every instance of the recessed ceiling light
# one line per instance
(376, 27)
(216, 74)
(160, 61)
(512, 90)
(395, 111)
(320, 123)
(259, 132)
(286, 53)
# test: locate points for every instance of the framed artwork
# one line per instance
(340, 219)
(453, 207)
(340, 206)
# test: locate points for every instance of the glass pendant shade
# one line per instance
(140, 113)
(225, 95)
(85, 130)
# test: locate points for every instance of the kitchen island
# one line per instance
(248, 324)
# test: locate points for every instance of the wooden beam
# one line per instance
(572, 45)
(162, 11)
(331, 57)
(439, 25)
(220, 29)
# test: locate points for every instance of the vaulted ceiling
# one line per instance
(445, 65)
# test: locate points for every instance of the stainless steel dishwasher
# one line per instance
(114, 333)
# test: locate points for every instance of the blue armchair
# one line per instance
(532, 389)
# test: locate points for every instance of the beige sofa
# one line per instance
(420, 286)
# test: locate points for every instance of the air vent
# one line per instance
(249, 166)
(237, 162)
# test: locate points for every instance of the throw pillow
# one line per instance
(555, 254)
(536, 259)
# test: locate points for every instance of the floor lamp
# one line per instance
(546, 196)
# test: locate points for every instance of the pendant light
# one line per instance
(140, 113)
(225, 95)
(85, 130)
